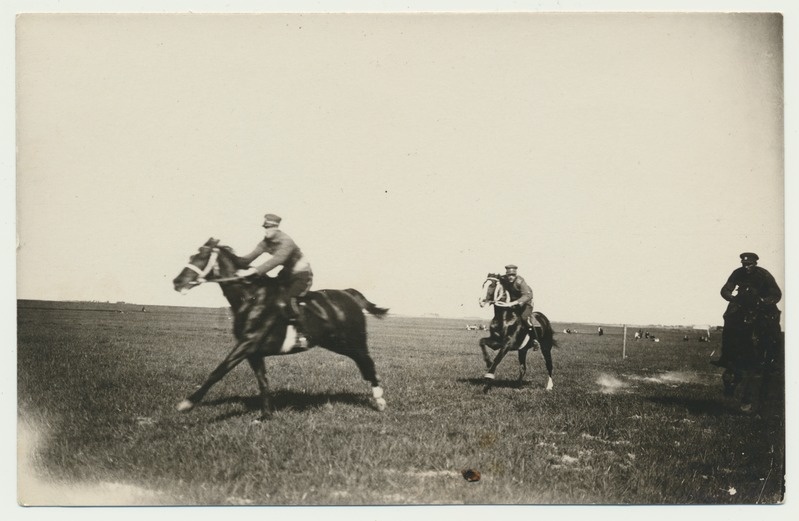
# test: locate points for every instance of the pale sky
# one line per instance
(622, 161)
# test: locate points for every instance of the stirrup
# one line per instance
(295, 305)
(301, 342)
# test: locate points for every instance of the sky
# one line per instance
(621, 160)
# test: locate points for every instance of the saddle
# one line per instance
(300, 308)
(539, 327)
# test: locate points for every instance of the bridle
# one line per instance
(500, 295)
(211, 266)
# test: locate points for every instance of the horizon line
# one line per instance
(404, 315)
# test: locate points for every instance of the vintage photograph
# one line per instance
(399, 258)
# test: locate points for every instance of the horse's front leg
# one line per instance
(489, 376)
(522, 364)
(234, 358)
(486, 357)
(259, 368)
(730, 380)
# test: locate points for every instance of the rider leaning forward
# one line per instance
(521, 295)
(296, 275)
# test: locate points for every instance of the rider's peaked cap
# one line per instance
(511, 267)
(749, 258)
(271, 219)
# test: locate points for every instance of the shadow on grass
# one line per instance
(498, 384)
(286, 400)
(701, 406)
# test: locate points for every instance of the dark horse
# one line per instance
(508, 332)
(753, 342)
(333, 319)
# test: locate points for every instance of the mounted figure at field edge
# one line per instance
(296, 275)
(754, 303)
(750, 340)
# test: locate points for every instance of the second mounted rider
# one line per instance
(521, 295)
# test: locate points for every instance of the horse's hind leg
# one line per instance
(546, 351)
(366, 365)
(259, 368)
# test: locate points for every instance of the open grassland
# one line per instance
(97, 391)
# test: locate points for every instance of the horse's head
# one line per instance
(749, 303)
(211, 263)
(493, 291)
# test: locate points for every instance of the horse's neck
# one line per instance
(503, 313)
(235, 292)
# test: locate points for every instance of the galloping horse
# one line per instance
(333, 319)
(508, 332)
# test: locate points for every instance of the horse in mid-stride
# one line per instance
(332, 319)
(508, 332)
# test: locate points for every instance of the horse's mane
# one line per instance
(266, 280)
(232, 256)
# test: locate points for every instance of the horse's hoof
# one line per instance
(550, 385)
(380, 404)
(185, 406)
(489, 376)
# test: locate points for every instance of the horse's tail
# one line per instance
(365, 304)
(549, 333)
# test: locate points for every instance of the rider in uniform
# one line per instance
(754, 302)
(296, 275)
(521, 295)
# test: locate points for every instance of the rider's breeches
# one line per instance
(527, 315)
(299, 284)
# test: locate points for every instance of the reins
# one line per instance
(211, 266)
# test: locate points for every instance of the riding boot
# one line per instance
(294, 313)
(533, 336)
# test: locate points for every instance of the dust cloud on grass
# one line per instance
(36, 488)
(611, 384)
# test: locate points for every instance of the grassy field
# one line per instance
(97, 391)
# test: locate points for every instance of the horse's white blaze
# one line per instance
(489, 376)
(550, 384)
(185, 405)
